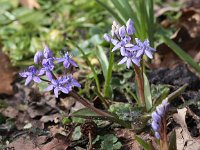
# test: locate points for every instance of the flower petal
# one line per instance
(36, 79)
(49, 88)
(148, 54)
(28, 80)
(56, 92)
(123, 61)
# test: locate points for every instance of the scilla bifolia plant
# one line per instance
(43, 72)
(132, 50)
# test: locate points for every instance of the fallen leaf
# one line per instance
(10, 112)
(30, 4)
(184, 139)
(51, 118)
(59, 142)
(7, 75)
(35, 110)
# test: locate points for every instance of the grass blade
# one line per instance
(110, 11)
(183, 55)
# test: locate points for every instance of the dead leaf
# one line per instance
(59, 142)
(30, 4)
(35, 110)
(57, 129)
(7, 74)
(184, 139)
(51, 118)
(10, 112)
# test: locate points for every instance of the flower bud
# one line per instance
(130, 27)
(156, 117)
(107, 37)
(155, 126)
(122, 31)
(38, 57)
(47, 52)
(157, 135)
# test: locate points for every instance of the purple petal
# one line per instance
(49, 88)
(41, 72)
(49, 75)
(28, 80)
(38, 57)
(114, 42)
(155, 126)
(123, 61)
(66, 64)
(23, 74)
(139, 53)
(155, 117)
(157, 135)
(36, 79)
(64, 90)
(130, 27)
(122, 31)
(160, 110)
(47, 52)
(72, 62)
(107, 37)
(117, 46)
(136, 61)
(122, 51)
(128, 63)
(76, 83)
(56, 92)
(58, 60)
(148, 54)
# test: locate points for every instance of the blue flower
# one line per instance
(144, 48)
(30, 74)
(129, 57)
(48, 66)
(158, 115)
(67, 61)
(63, 84)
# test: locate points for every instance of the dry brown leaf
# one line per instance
(7, 74)
(59, 142)
(10, 112)
(184, 139)
(51, 118)
(30, 4)
(35, 110)
(57, 129)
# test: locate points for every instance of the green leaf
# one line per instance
(110, 142)
(143, 143)
(102, 59)
(172, 141)
(183, 55)
(147, 93)
(84, 112)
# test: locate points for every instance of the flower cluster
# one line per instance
(45, 61)
(122, 40)
(158, 116)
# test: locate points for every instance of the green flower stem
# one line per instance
(89, 105)
(107, 87)
(90, 65)
(140, 84)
